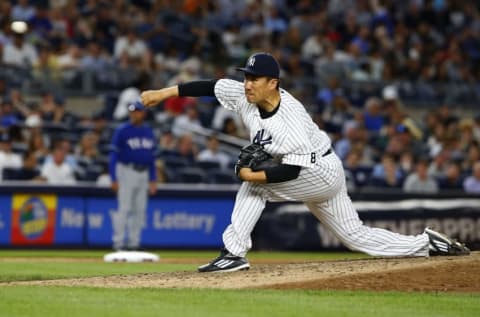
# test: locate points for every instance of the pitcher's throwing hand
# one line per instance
(151, 98)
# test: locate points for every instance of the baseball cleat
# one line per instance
(440, 244)
(226, 262)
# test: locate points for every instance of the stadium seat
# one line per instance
(222, 177)
(19, 173)
(191, 175)
(175, 162)
(209, 165)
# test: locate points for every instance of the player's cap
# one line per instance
(136, 106)
(261, 64)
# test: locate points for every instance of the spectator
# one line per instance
(452, 178)
(87, 149)
(187, 122)
(472, 155)
(187, 149)
(476, 128)
(8, 159)
(46, 67)
(471, 184)
(351, 133)
(130, 44)
(37, 145)
(19, 53)
(30, 168)
(63, 116)
(213, 154)
(22, 11)
(387, 174)
(373, 116)
(57, 171)
(96, 59)
(64, 144)
(358, 174)
(8, 117)
(47, 106)
(419, 181)
(168, 142)
(69, 62)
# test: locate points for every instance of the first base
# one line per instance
(131, 256)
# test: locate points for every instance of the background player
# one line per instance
(309, 171)
(132, 170)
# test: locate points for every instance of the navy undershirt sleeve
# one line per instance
(197, 88)
(282, 173)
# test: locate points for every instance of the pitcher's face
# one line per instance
(258, 88)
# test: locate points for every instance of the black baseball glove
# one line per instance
(254, 157)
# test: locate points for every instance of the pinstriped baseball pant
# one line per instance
(324, 192)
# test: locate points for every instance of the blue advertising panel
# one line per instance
(70, 218)
(5, 219)
(100, 211)
(170, 222)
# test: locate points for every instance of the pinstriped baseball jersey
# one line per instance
(291, 135)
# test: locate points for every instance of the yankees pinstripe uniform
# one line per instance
(280, 123)
(292, 135)
(132, 167)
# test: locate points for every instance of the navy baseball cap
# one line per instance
(261, 64)
(137, 105)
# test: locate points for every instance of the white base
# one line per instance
(131, 256)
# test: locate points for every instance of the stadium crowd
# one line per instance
(357, 65)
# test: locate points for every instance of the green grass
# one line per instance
(85, 301)
(81, 301)
(28, 269)
(48, 270)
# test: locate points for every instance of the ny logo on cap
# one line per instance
(251, 61)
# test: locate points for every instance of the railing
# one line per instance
(93, 83)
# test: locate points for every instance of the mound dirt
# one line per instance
(445, 274)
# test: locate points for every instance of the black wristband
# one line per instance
(197, 88)
(282, 173)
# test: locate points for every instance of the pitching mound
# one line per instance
(455, 274)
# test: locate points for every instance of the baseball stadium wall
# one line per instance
(194, 217)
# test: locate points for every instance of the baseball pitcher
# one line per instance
(301, 167)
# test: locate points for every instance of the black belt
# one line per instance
(138, 167)
(329, 151)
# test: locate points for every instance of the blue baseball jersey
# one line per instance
(133, 145)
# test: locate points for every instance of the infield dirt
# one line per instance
(444, 274)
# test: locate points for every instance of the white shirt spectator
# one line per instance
(213, 154)
(472, 183)
(187, 123)
(312, 47)
(133, 46)
(221, 114)
(21, 56)
(9, 159)
(58, 174)
(57, 171)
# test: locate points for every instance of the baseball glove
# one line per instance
(254, 157)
